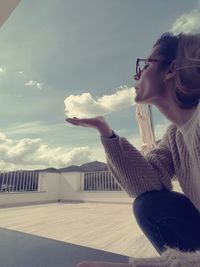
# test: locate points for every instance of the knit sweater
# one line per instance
(176, 156)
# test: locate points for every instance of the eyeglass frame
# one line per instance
(138, 72)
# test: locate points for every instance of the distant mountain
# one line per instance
(72, 168)
(86, 167)
(94, 166)
(47, 170)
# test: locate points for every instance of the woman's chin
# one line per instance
(140, 101)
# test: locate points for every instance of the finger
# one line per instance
(71, 121)
(79, 121)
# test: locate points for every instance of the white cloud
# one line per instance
(34, 83)
(3, 139)
(33, 154)
(30, 153)
(85, 106)
(29, 127)
(187, 22)
(2, 70)
(30, 82)
(21, 73)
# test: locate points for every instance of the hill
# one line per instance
(86, 167)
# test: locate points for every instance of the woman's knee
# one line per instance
(145, 203)
(140, 205)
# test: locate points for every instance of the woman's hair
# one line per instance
(185, 48)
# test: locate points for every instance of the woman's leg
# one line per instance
(168, 218)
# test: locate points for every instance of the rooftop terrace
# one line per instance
(80, 210)
(105, 226)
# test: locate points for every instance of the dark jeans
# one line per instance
(168, 218)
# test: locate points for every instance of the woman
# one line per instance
(170, 80)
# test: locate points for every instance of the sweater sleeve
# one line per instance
(134, 172)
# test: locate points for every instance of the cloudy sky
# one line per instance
(70, 57)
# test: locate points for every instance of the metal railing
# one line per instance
(19, 181)
(99, 181)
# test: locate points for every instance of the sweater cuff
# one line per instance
(113, 135)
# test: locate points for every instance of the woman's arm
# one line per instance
(136, 173)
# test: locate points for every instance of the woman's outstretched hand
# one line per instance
(90, 122)
(97, 122)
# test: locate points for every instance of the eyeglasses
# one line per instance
(141, 64)
(188, 66)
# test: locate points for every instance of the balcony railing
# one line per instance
(19, 181)
(99, 181)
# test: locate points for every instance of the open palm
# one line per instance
(90, 122)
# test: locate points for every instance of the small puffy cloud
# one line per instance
(187, 22)
(2, 70)
(30, 82)
(85, 105)
(21, 73)
(34, 83)
(33, 154)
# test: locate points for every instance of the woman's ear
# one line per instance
(171, 70)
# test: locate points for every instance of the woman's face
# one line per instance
(150, 86)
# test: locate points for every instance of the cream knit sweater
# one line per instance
(176, 156)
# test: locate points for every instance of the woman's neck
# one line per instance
(175, 114)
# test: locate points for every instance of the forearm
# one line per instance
(105, 131)
(129, 168)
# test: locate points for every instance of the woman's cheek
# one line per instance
(145, 87)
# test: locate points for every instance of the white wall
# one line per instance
(71, 191)
(65, 187)
(70, 185)
(50, 192)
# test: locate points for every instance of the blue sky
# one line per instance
(82, 52)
